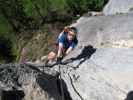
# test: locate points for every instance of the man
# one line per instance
(67, 41)
(65, 44)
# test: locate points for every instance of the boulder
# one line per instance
(118, 7)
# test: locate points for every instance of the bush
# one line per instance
(6, 50)
(7, 41)
(82, 6)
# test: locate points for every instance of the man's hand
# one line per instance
(69, 50)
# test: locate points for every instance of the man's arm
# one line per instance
(72, 46)
(60, 50)
(69, 50)
(59, 54)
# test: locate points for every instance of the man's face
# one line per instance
(70, 36)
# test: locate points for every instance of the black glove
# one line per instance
(59, 60)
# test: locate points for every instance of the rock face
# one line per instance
(118, 6)
(106, 75)
(99, 68)
(101, 30)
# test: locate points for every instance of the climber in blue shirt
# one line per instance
(67, 41)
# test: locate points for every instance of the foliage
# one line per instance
(22, 14)
(4, 25)
(82, 6)
(6, 50)
(18, 16)
(7, 41)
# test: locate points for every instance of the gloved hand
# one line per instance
(59, 60)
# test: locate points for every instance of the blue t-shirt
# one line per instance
(66, 43)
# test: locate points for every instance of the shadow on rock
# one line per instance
(12, 95)
(52, 87)
(129, 96)
(65, 89)
(84, 55)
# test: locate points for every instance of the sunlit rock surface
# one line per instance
(118, 7)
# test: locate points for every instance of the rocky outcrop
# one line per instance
(118, 7)
(28, 82)
(100, 68)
